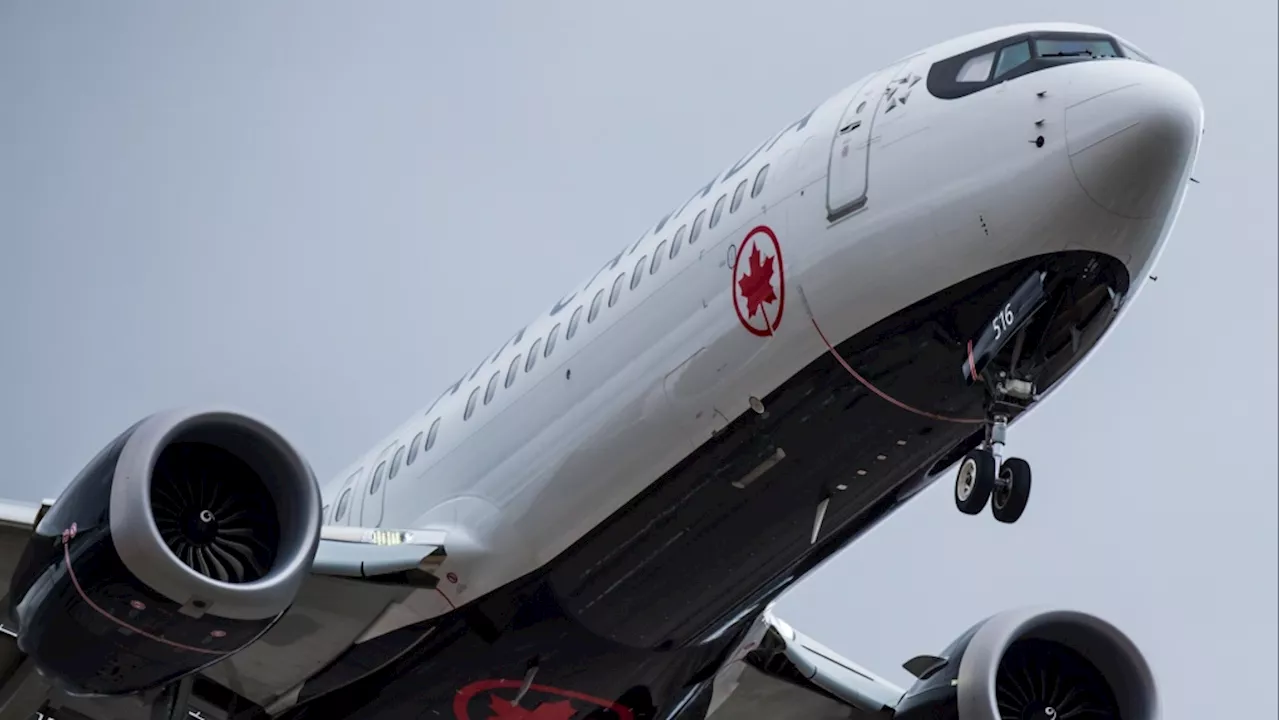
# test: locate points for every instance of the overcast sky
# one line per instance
(324, 212)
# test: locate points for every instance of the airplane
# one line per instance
(595, 520)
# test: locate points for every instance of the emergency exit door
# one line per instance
(375, 487)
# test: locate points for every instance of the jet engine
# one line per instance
(181, 542)
(1030, 664)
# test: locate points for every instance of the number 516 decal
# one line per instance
(1011, 315)
(1003, 321)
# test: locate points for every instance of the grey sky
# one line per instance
(323, 212)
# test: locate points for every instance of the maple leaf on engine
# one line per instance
(504, 710)
(757, 284)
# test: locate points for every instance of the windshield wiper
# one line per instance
(1076, 53)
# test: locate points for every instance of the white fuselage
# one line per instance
(527, 457)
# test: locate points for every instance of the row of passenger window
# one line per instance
(615, 293)
(423, 442)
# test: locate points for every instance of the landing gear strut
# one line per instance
(984, 476)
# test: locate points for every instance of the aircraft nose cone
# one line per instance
(1130, 147)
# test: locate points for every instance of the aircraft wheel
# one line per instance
(975, 481)
(1009, 499)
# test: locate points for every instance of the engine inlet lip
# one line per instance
(288, 478)
(1102, 644)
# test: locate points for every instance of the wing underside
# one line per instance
(364, 583)
(781, 674)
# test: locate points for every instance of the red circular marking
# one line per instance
(218, 633)
(465, 695)
(137, 605)
(759, 324)
(452, 577)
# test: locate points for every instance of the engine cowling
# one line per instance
(1032, 664)
(181, 542)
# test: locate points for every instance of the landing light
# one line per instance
(381, 536)
(390, 537)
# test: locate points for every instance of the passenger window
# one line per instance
(596, 301)
(431, 435)
(471, 404)
(616, 292)
(1012, 57)
(976, 69)
(573, 324)
(738, 193)
(396, 463)
(677, 242)
(717, 211)
(378, 474)
(551, 340)
(413, 449)
(758, 186)
(343, 503)
(697, 227)
(492, 388)
(533, 355)
(657, 257)
(513, 370)
(635, 275)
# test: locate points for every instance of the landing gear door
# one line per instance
(850, 148)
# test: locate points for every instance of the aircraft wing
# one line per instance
(16, 523)
(364, 583)
(779, 673)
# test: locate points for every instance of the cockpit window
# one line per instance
(976, 69)
(1134, 53)
(1076, 47)
(997, 62)
(1012, 57)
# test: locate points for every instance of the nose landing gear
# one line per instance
(983, 476)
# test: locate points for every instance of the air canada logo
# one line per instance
(492, 700)
(759, 287)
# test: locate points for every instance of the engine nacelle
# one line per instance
(181, 542)
(1028, 663)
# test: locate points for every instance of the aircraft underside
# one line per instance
(635, 619)
(638, 618)
(519, 549)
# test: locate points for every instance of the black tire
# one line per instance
(1007, 505)
(975, 479)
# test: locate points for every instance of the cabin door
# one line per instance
(851, 146)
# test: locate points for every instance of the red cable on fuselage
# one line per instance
(876, 390)
(70, 533)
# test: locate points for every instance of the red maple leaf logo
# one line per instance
(504, 710)
(757, 284)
